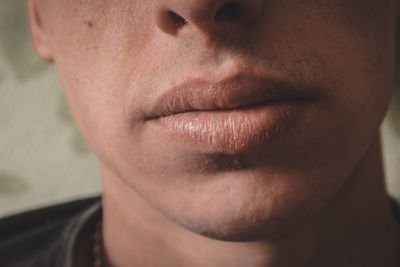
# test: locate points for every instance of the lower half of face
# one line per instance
(239, 173)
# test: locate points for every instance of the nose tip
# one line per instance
(206, 15)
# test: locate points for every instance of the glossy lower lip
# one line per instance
(233, 131)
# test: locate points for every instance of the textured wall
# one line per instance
(43, 159)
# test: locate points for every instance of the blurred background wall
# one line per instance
(43, 158)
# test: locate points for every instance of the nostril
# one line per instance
(177, 20)
(229, 11)
(208, 16)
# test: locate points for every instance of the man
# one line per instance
(229, 133)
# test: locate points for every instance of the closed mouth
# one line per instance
(239, 93)
(231, 116)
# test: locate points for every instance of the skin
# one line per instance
(314, 197)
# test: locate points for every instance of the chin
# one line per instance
(237, 233)
(244, 227)
(249, 210)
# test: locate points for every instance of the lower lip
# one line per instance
(233, 131)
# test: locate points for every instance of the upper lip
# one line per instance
(240, 91)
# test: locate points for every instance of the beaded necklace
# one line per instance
(97, 250)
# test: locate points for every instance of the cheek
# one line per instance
(92, 103)
(362, 71)
(356, 57)
(95, 64)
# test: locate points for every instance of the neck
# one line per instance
(357, 229)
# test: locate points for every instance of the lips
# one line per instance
(230, 116)
(229, 94)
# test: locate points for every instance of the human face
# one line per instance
(235, 119)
